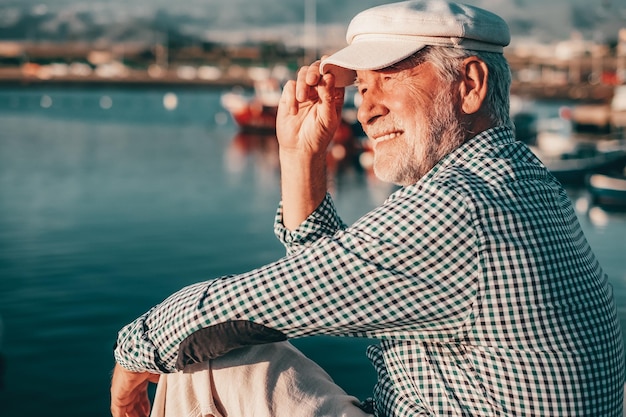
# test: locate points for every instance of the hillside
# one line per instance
(243, 20)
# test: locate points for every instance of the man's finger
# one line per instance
(339, 99)
(331, 96)
(302, 88)
(288, 98)
(313, 74)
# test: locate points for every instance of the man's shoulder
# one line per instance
(498, 143)
(491, 158)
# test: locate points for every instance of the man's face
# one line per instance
(408, 114)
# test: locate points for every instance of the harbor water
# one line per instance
(111, 199)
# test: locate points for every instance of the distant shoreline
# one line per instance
(135, 80)
(140, 79)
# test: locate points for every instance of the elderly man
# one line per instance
(475, 276)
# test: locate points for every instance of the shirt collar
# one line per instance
(472, 148)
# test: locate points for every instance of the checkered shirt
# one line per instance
(478, 281)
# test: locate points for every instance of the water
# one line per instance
(110, 201)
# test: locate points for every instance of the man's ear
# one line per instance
(473, 88)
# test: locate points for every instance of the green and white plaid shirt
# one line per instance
(477, 280)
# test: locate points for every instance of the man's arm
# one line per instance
(382, 278)
(388, 275)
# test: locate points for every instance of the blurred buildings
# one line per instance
(198, 43)
(574, 68)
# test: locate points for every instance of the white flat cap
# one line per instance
(387, 34)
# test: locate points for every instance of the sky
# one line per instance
(233, 19)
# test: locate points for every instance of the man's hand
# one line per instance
(309, 112)
(129, 392)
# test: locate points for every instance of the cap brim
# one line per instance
(366, 55)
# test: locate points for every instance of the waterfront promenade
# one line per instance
(597, 92)
(131, 78)
(589, 76)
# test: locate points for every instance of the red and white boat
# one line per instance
(254, 113)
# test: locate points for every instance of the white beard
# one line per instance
(420, 154)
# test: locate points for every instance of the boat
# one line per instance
(574, 166)
(608, 189)
(607, 117)
(254, 113)
(571, 156)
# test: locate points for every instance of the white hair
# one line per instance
(447, 63)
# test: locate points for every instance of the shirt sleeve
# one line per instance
(324, 221)
(406, 270)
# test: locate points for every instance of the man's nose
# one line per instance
(371, 108)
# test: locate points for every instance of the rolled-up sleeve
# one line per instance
(324, 221)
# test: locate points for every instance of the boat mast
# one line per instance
(310, 31)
